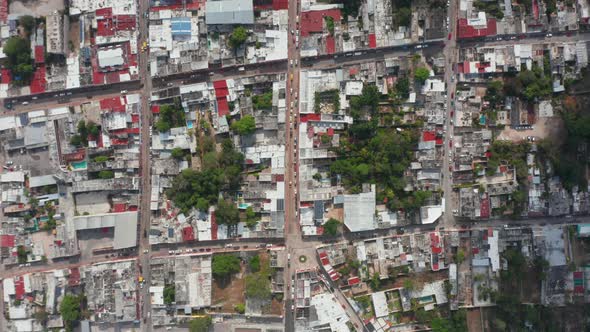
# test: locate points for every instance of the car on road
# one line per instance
(229, 245)
(450, 35)
(146, 251)
(549, 35)
(450, 143)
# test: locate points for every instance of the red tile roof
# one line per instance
(39, 54)
(313, 21)
(119, 207)
(3, 10)
(465, 30)
(372, 40)
(310, 117)
(19, 284)
(104, 12)
(280, 4)
(428, 136)
(6, 77)
(74, 277)
(7, 241)
(330, 45)
(222, 106)
(38, 82)
(188, 234)
(353, 281)
(155, 109)
(113, 104)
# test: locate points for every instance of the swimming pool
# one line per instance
(80, 165)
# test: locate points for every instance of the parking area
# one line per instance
(38, 161)
(544, 128)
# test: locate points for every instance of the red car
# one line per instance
(453, 95)
(452, 113)
(449, 36)
(450, 144)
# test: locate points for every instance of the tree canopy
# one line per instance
(27, 22)
(244, 126)
(200, 324)
(331, 227)
(238, 36)
(225, 265)
(227, 212)
(421, 74)
(70, 309)
(262, 101)
(200, 189)
(18, 52)
(177, 153)
(170, 116)
(169, 294)
(258, 283)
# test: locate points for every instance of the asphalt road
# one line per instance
(291, 132)
(145, 170)
(450, 51)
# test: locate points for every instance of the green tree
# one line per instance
(375, 282)
(101, 159)
(251, 217)
(227, 212)
(200, 324)
(106, 174)
(409, 284)
(76, 140)
(331, 227)
(21, 253)
(254, 263)
(402, 87)
(238, 37)
(460, 258)
(177, 153)
(244, 126)
(27, 22)
(403, 16)
(421, 74)
(225, 265)
(18, 52)
(171, 116)
(258, 286)
(262, 101)
(329, 24)
(240, 308)
(70, 309)
(169, 294)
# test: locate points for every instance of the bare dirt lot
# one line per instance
(228, 296)
(544, 128)
(474, 320)
(35, 7)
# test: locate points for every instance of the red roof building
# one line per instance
(112, 104)
(19, 286)
(7, 241)
(428, 136)
(156, 109)
(313, 21)
(39, 54)
(6, 76)
(465, 30)
(74, 277)
(330, 45)
(188, 234)
(372, 40)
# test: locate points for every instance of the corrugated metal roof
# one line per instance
(229, 12)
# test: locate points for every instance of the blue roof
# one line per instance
(181, 26)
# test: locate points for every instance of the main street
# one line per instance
(450, 53)
(292, 233)
(145, 170)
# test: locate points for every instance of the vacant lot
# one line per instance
(551, 128)
(474, 320)
(35, 7)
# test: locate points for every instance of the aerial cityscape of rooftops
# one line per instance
(294, 165)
